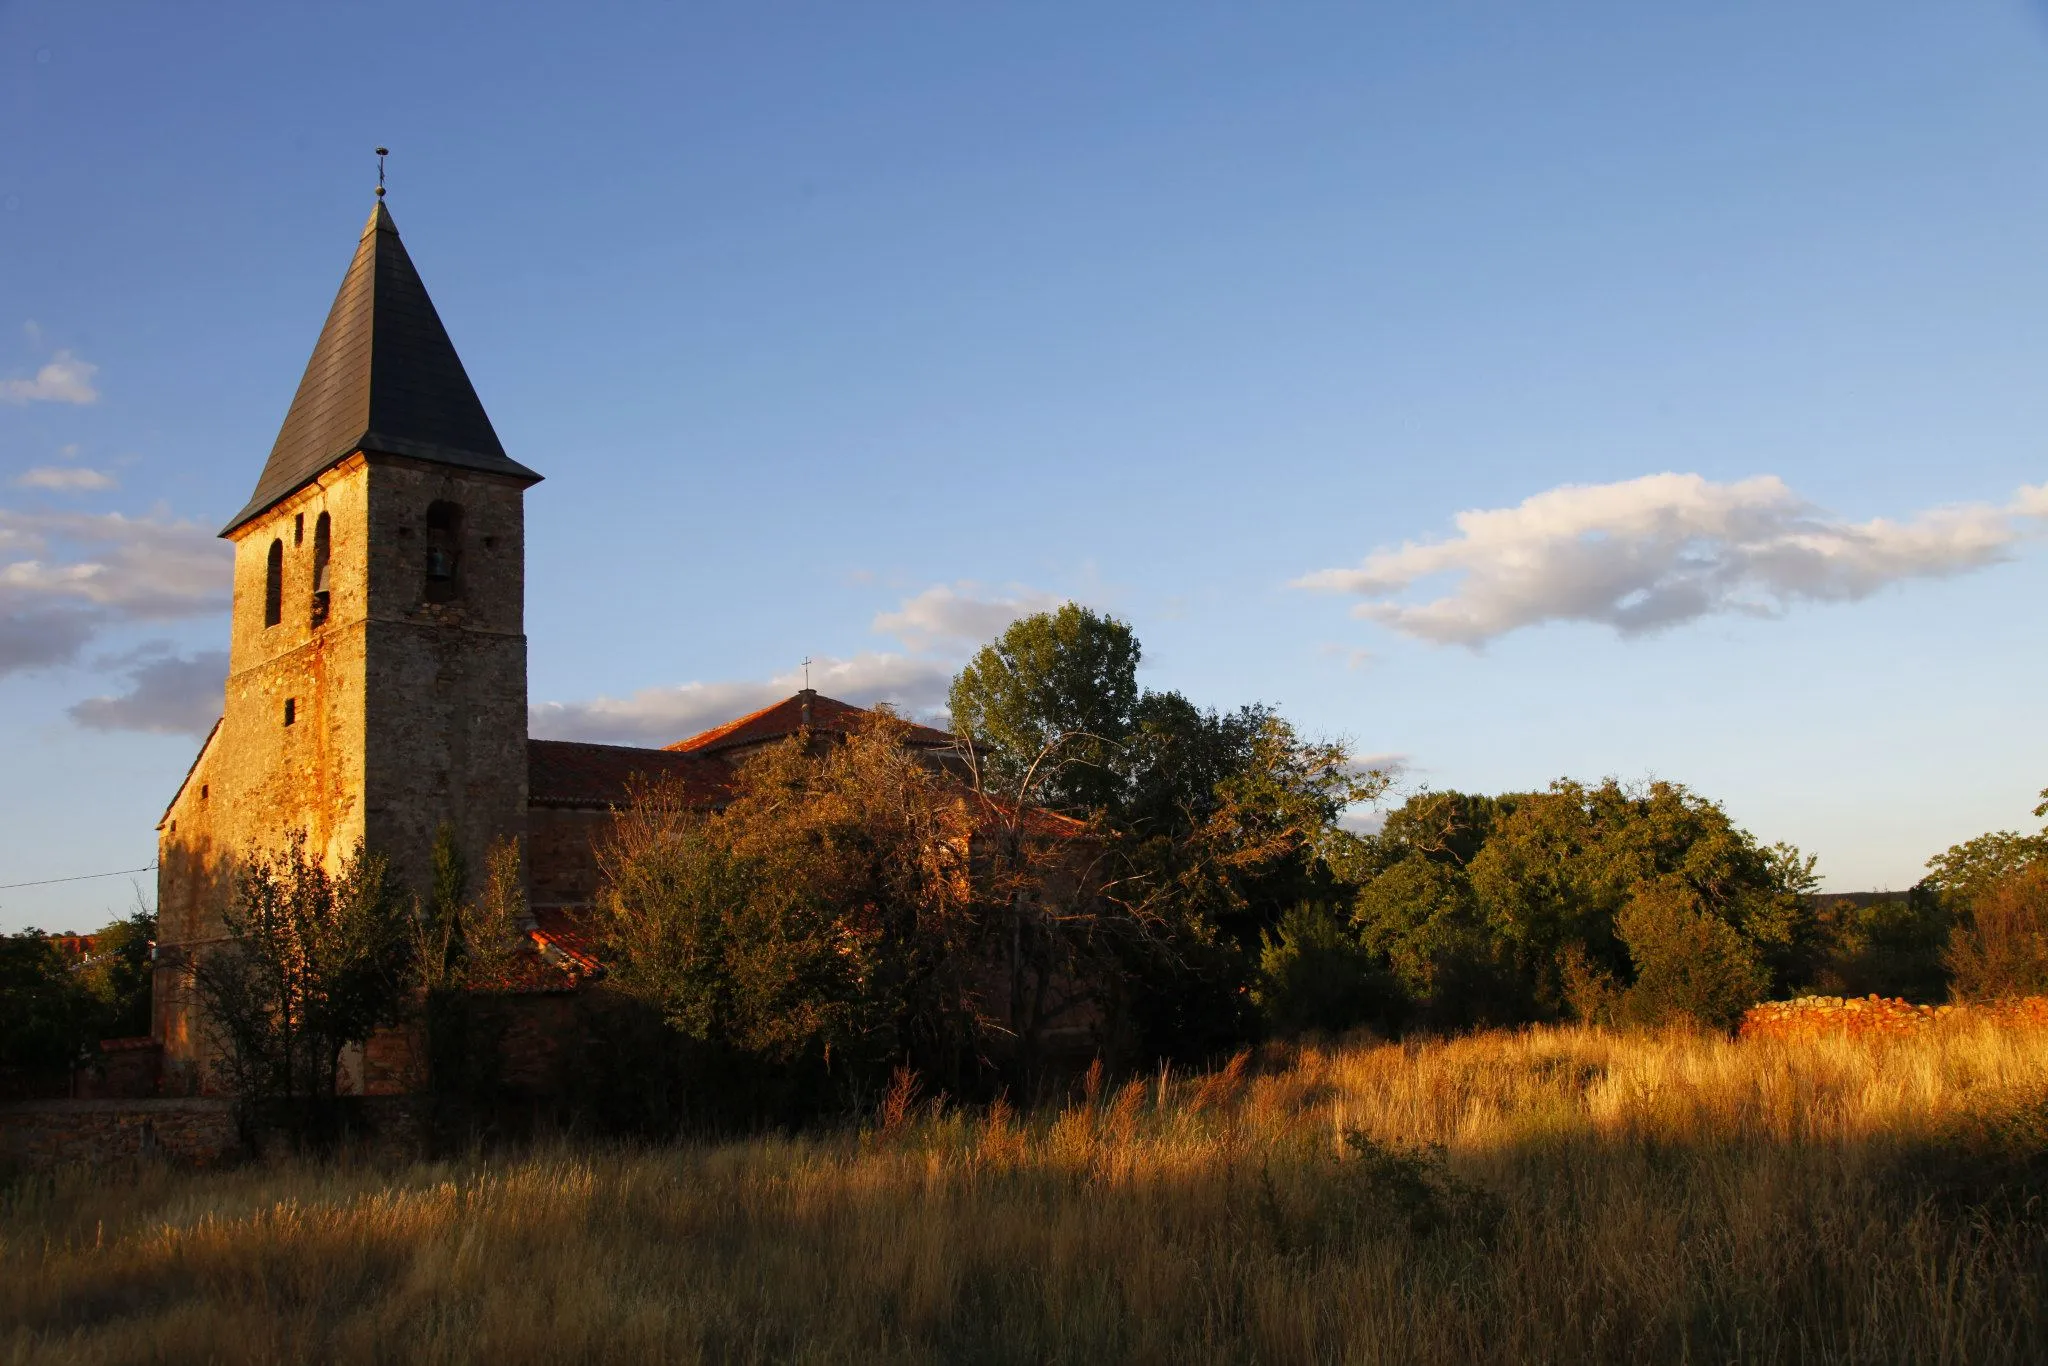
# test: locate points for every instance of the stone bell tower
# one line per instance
(377, 665)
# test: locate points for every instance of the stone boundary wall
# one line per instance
(39, 1135)
(1809, 1016)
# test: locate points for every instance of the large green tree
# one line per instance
(1048, 706)
(1215, 825)
(1504, 908)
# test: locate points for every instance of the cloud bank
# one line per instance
(1651, 553)
(171, 695)
(63, 379)
(67, 577)
(959, 614)
(64, 479)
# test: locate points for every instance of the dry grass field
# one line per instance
(1555, 1195)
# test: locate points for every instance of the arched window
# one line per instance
(323, 534)
(444, 551)
(273, 585)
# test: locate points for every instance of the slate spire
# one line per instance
(384, 378)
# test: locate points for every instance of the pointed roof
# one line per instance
(383, 377)
(806, 710)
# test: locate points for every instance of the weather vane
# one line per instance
(807, 673)
(382, 152)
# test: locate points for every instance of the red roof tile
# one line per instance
(827, 715)
(570, 937)
(570, 773)
(558, 956)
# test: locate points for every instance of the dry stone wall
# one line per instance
(1814, 1016)
(41, 1135)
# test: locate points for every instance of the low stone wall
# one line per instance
(41, 1134)
(1814, 1015)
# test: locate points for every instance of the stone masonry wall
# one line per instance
(403, 713)
(40, 1135)
(445, 734)
(259, 778)
(561, 854)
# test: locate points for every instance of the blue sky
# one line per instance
(847, 331)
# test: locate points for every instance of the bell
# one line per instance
(440, 564)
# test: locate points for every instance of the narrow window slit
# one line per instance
(273, 585)
(444, 551)
(323, 538)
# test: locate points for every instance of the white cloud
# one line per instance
(662, 716)
(1650, 553)
(960, 614)
(65, 577)
(63, 379)
(173, 695)
(63, 479)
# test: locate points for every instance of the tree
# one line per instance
(1049, 704)
(1960, 874)
(1213, 881)
(1499, 909)
(2001, 950)
(116, 979)
(459, 942)
(1314, 975)
(460, 946)
(825, 923)
(1212, 824)
(312, 963)
(55, 1008)
(1934, 938)
(1889, 944)
(40, 1010)
(1690, 964)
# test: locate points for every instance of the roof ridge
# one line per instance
(719, 732)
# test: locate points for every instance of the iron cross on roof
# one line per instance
(382, 152)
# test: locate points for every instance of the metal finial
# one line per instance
(382, 152)
(807, 673)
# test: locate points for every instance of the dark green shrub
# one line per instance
(1690, 965)
(1315, 975)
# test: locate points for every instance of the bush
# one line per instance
(1887, 944)
(1314, 975)
(2001, 948)
(1689, 964)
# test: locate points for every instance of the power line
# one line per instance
(82, 877)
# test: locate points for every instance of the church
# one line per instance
(376, 683)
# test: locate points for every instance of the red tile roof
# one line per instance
(531, 974)
(827, 715)
(569, 938)
(559, 955)
(570, 773)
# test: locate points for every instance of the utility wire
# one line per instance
(82, 877)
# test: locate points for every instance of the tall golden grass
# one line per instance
(1598, 1197)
